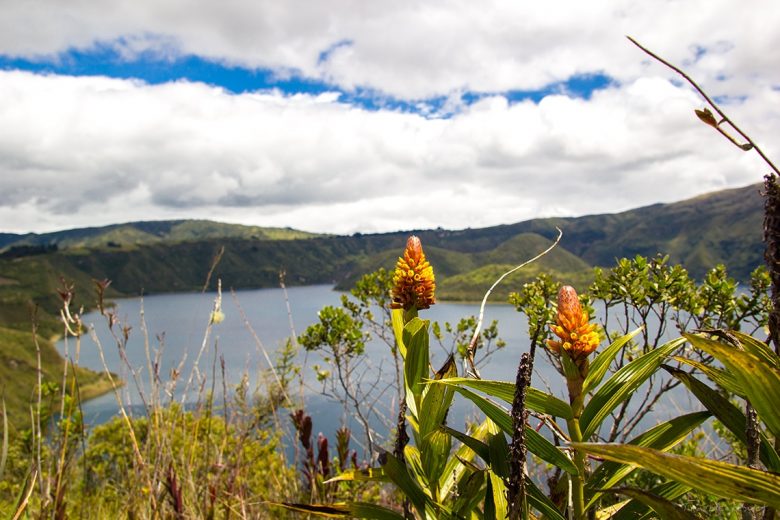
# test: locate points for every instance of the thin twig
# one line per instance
(724, 117)
(473, 344)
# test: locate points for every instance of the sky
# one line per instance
(364, 116)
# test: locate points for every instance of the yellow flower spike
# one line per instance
(578, 336)
(413, 280)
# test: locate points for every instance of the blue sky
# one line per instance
(150, 67)
(345, 116)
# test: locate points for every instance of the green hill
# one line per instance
(170, 256)
(134, 234)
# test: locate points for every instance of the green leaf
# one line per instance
(636, 510)
(455, 470)
(436, 447)
(665, 509)
(479, 447)
(365, 510)
(717, 375)
(495, 497)
(541, 502)
(621, 385)
(661, 437)
(570, 369)
(759, 380)
(326, 510)
(343, 510)
(397, 472)
(729, 415)
(397, 316)
(536, 444)
(758, 348)
(359, 475)
(415, 337)
(535, 400)
(499, 455)
(600, 364)
(413, 459)
(437, 399)
(471, 493)
(717, 478)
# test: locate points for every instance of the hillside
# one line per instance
(155, 257)
(152, 257)
(134, 234)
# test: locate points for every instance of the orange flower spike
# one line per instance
(413, 280)
(578, 337)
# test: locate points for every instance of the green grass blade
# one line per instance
(535, 400)
(621, 385)
(717, 478)
(759, 380)
(600, 365)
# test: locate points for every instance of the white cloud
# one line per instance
(88, 151)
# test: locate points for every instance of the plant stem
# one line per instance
(578, 493)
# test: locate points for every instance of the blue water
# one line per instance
(171, 329)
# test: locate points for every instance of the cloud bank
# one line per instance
(86, 150)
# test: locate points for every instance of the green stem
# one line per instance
(576, 398)
(578, 493)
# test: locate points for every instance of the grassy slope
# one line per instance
(18, 366)
(134, 234)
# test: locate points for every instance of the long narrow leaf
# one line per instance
(714, 477)
(661, 437)
(717, 375)
(729, 415)
(665, 509)
(601, 362)
(636, 510)
(342, 510)
(455, 468)
(535, 400)
(437, 400)
(360, 475)
(397, 316)
(415, 337)
(536, 444)
(621, 385)
(758, 348)
(760, 380)
(541, 502)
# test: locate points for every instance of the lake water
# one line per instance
(175, 324)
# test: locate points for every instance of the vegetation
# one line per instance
(529, 454)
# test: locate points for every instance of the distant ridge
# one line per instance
(173, 256)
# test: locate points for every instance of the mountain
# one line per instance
(167, 256)
(186, 255)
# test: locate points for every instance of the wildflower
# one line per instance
(413, 280)
(577, 336)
